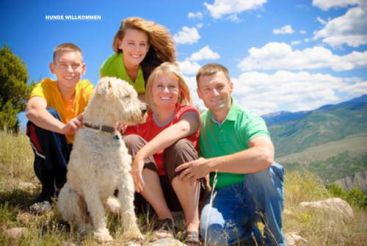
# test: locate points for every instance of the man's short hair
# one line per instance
(66, 47)
(210, 69)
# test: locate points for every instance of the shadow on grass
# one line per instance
(17, 198)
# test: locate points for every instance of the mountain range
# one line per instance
(293, 132)
(330, 141)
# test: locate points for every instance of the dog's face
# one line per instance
(122, 100)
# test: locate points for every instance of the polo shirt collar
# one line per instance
(231, 116)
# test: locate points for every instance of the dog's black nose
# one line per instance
(144, 110)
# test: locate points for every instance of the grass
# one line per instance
(317, 227)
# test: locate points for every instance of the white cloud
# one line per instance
(199, 25)
(204, 54)
(293, 91)
(232, 7)
(357, 58)
(287, 29)
(321, 21)
(295, 42)
(348, 29)
(188, 67)
(197, 15)
(328, 4)
(282, 56)
(191, 83)
(303, 32)
(187, 35)
(290, 91)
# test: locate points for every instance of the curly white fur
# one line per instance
(100, 163)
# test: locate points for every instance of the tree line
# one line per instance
(14, 89)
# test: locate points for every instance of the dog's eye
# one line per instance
(126, 97)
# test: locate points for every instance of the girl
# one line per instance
(140, 46)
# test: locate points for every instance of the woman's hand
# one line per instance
(137, 173)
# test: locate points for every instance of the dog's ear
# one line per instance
(103, 87)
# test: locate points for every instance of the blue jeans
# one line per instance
(231, 217)
(51, 157)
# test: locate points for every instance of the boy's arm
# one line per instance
(38, 114)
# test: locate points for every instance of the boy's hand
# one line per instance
(121, 127)
(73, 125)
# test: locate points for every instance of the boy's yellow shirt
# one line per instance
(48, 90)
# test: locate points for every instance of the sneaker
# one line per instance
(43, 197)
(40, 207)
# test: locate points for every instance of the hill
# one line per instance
(355, 145)
(330, 141)
(295, 132)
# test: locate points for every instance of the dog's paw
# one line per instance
(133, 235)
(103, 235)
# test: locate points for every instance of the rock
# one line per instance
(336, 204)
(293, 239)
(166, 242)
(68, 244)
(40, 207)
(357, 180)
(16, 233)
(25, 218)
(132, 244)
(26, 186)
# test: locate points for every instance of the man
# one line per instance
(239, 155)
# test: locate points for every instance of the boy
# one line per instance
(55, 111)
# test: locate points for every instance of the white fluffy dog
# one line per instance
(100, 163)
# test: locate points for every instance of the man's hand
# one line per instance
(194, 170)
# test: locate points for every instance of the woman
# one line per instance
(166, 140)
(140, 46)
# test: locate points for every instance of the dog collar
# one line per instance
(103, 128)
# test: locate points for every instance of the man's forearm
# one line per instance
(248, 161)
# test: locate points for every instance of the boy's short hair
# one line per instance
(66, 47)
(210, 69)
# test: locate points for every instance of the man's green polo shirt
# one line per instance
(114, 67)
(232, 136)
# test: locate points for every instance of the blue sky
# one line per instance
(282, 55)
